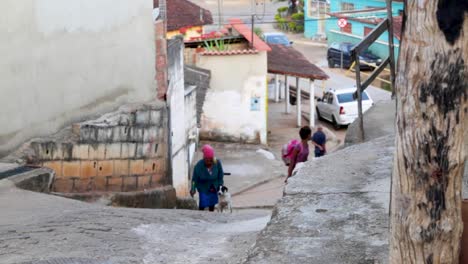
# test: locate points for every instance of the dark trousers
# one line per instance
(211, 208)
(319, 154)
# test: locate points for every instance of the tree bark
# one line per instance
(431, 95)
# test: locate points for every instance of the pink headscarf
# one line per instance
(208, 151)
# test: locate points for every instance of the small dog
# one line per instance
(225, 202)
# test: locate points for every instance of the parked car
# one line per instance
(334, 57)
(276, 38)
(340, 107)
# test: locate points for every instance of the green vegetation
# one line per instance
(386, 86)
(216, 45)
(258, 31)
(298, 17)
(282, 9)
(293, 23)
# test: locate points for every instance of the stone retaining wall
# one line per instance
(122, 151)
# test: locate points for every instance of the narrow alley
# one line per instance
(158, 131)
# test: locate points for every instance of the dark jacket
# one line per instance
(202, 180)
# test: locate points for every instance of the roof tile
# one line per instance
(183, 13)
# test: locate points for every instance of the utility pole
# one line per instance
(220, 16)
(253, 28)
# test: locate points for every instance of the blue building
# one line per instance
(321, 21)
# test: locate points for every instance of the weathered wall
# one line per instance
(175, 95)
(201, 79)
(124, 150)
(235, 81)
(191, 125)
(62, 61)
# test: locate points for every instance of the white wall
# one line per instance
(191, 128)
(176, 94)
(234, 81)
(62, 61)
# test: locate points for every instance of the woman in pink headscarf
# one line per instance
(207, 178)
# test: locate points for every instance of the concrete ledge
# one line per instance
(157, 198)
(334, 210)
(37, 180)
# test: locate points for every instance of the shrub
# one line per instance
(282, 9)
(282, 23)
(299, 28)
(298, 17)
(258, 31)
(292, 26)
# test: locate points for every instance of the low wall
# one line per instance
(124, 151)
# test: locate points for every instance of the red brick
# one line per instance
(88, 169)
(84, 185)
(150, 166)
(156, 180)
(114, 184)
(160, 61)
(55, 166)
(62, 185)
(121, 167)
(159, 44)
(136, 167)
(144, 182)
(129, 183)
(99, 183)
(71, 169)
(159, 28)
(105, 168)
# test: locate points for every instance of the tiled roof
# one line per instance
(230, 52)
(183, 13)
(288, 61)
(245, 31)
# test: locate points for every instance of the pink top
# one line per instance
(303, 152)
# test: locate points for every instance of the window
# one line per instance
(367, 30)
(335, 46)
(349, 97)
(330, 98)
(318, 8)
(345, 6)
(348, 28)
(401, 12)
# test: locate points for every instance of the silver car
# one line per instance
(340, 107)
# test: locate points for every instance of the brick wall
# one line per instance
(121, 151)
(161, 59)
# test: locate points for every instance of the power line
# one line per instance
(264, 10)
(227, 16)
(286, 21)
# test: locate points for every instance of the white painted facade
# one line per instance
(63, 61)
(227, 112)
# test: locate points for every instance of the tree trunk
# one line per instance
(431, 94)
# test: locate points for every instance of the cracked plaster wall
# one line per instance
(63, 61)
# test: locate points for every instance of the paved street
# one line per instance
(45, 229)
